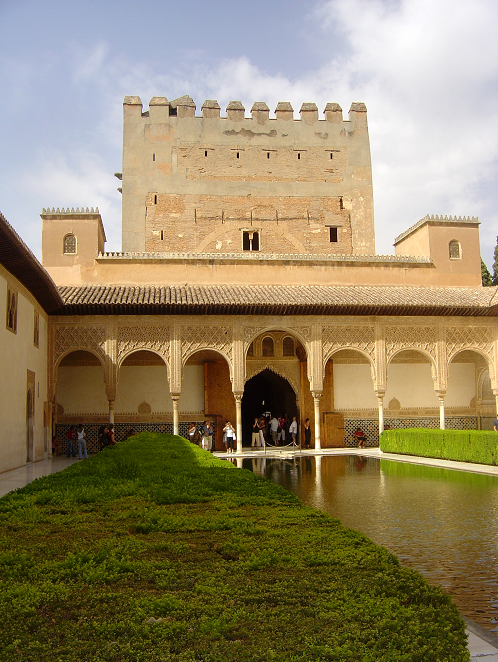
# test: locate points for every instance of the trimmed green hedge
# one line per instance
(155, 551)
(480, 446)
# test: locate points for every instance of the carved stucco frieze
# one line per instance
(207, 337)
(478, 337)
(358, 337)
(72, 338)
(153, 338)
(401, 337)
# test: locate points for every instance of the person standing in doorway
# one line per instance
(71, 441)
(293, 431)
(274, 430)
(307, 433)
(81, 435)
(255, 433)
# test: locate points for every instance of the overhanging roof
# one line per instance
(278, 300)
(16, 257)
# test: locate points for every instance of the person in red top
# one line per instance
(110, 435)
(360, 437)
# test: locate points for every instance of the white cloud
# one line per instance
(426, 70)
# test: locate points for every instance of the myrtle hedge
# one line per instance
(479, 446)
(154, 550)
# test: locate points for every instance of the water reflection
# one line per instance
(441, 522)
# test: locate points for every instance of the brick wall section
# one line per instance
(210, 223)
(219, 398)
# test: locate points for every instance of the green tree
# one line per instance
(495, 264)
(485, 275)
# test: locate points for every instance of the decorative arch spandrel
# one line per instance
(152, 338)
(356, 337)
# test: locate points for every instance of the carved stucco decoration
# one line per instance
(207, 337)
(286, 369)
(133, 338)
(335, 338)
(72, 338)
(415, 337)
(474, 337)
(300, 333)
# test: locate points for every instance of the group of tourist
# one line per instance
(202, 435)
(76, 438)
(268, 429)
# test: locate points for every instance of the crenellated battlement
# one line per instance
(185, 107)
(69, 211)
(451, 219)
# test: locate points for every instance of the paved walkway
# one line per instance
(483, 645)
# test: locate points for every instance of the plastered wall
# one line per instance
(410, 384)
(18, 354)
(81, 390)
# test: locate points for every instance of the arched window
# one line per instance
(12, 310)
(267, 346)
(455, 250)
(288, 346)
(69, 244)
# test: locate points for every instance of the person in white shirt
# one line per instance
(274, 430)
(80, 436)
(293, 431)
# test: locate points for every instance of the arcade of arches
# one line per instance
(161, 374)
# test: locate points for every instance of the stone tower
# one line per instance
(235, 184)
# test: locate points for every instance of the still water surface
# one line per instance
(441, 522)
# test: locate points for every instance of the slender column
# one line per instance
(495, 392)
(316, 401)
(175, 398)
(441, 409)
(238, 421)
(380, 398)
(111, 411)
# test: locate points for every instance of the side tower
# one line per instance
(71, 241)
(235, 184)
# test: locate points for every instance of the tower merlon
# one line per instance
(235, 111)
(333, 113)
(309, 113)
(210, 109)
(260, 112)
(159, 109)
(182, 107)
(284, 111)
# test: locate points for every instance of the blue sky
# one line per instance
(427, 71)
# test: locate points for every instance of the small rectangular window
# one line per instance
(205, 152)
(267, 155)
(333, 235)
(299, 156)
(153, 157)
(155, 199)
(331, 156)
(250, 241)
(162, 235)
(238, 155)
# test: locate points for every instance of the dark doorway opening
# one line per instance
(266, 391)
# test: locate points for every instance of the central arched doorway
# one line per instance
(265, 392)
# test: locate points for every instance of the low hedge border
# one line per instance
(479, 446)
(156, 551)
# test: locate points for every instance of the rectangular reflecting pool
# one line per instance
(441, 522)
